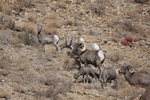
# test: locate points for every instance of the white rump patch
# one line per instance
(101, 55)
(96, 47)
(56, 37)
(82, 39)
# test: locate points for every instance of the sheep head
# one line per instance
(83, 46)
(126, 67)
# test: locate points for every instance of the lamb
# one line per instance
(135, 78)
(107, 75)
(88, 70)
(47, 39)
(72, 41)
(146, 94)
(95, 57)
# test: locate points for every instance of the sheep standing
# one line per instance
(95, 57)
(86, 71)
(72, 41)
(47, 39)
(135, 78)
(107, 75)
(146, 94)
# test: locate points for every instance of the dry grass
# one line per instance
(115, 56)
(69, 64)
(25, 3)
(29, 28)
(61, 4)
(68, 22)
(15, 41)
(51, 28)
(32, 17)
(27, 39)
(5, 62)
(56, 85)
(5, 8)
(98, 7)
(4, 94)
(5, 37)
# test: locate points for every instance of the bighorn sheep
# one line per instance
(95, 57)
(86, 71)
(47, 39)
(146, 94)
(135, 78)
(107, 75)
(72, 41)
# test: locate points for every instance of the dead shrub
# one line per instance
(97, 9)
(15, 41)
(5, 9)
(61, 5)
(51, 28)
(4, 94)
(56, 86)
(25, 3)
(68, 64)
(127, 25)
(27, 39)
(5, 37)
(68, 22)
(5, 62)
(99, 6)
(51, 16)
(135, 62)
(95, 85)
(138, 29)
(29, 28)
(32, 17)
(53, 7)
(115, 56)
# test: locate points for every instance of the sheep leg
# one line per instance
(43, 48)
(86, 78)
(83, 79)
(115, 83)
(93, 74)
(99, 68)
(63, 46)
(57, 47)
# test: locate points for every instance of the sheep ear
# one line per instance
(131, 70)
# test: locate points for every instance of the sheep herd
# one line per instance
(90, 54)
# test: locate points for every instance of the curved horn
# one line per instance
(131, 70)
(84, 46)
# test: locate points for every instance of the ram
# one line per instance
(95, 57)
(135, 78)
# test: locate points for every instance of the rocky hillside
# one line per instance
(27, 73)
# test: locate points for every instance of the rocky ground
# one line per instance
(27, 73)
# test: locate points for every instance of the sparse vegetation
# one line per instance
(27, 39)
(51, 28)
(28, 73)
(25, 3)
(115, 56)
(32, 17)
(29, 28)
(5, 8)
(56, 86)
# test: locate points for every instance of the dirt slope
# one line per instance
(26, 73)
